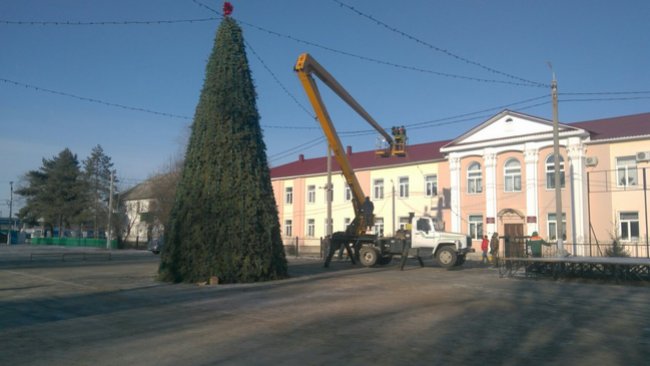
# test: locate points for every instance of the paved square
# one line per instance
(112, 312)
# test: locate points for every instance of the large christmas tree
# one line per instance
(224, 222)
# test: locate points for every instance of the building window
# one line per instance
(403, 222)
(404, 187)
(288, 195)
(347, 193)
(550, 172)
(629, 226)
(431, 185)
(311, 228)
(379, 226)
(512, 176)
(552, 226)
(476, 227)
(378, 189)
(474, 179)
(288, 228)
(346, 223)
(626, 174)
(311, 194)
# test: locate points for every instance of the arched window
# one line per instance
(550, 172)
(474, 178)
(512, 175)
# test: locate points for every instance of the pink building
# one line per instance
(496, 177)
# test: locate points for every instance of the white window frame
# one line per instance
(626, 171)
(403, 187)
(378, 189)
(403, 222)
(475, 226)
(288, 195)
(550, 172)
(551, 225)
(311, 194)
(288, 228)
(311, 228)
(347, 193)
(629, 224)
(474, 178)
(379, 226)
(512, 176)
(431, 185)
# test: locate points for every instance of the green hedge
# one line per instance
(74, 242)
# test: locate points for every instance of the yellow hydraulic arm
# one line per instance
(306, 66)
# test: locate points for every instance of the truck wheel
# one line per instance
(368, 256)
(385, 260)
(446, 256)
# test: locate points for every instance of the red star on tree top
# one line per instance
(227, 8)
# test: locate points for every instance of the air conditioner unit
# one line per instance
(643, 156)
(591, 161)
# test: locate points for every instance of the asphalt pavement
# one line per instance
(110, 310)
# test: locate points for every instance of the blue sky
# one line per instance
(421, 64)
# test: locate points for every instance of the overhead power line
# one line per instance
(109, 22)
(435, 48)
(93, 100)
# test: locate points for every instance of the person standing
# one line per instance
(484, 248)
(494, 248)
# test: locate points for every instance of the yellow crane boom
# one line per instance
(306, 66)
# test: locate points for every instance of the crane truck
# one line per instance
(420, 235)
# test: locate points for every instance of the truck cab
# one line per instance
(449, 249)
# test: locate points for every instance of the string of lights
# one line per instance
(277, 81)
(110, 22)
(438, 49)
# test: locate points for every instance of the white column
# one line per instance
(576, 153)
(531, 158)
(490, 162)
(454, 175)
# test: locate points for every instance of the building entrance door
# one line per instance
(514, 240)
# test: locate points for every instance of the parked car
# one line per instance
(155, 245)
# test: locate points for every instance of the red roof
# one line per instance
(600, 129)
(617, 127)
(364, 159)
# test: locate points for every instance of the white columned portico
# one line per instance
(454, 175)
(576, 153)
(490, 162)
(531, 158)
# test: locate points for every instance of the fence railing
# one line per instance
(74, 242)
(517, 247)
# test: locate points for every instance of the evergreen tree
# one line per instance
(97, 173)
(224, 221)
(56, 193)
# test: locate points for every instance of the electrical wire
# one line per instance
(437, 49)
(277, 81)
(93, 100)
(110, 22)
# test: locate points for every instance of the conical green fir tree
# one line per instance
(224, 221)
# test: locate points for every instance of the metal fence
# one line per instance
(517, 247)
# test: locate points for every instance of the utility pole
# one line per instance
(556, 153)
(11, 203)
(110, 213)
(393, 204)
(328, 229)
